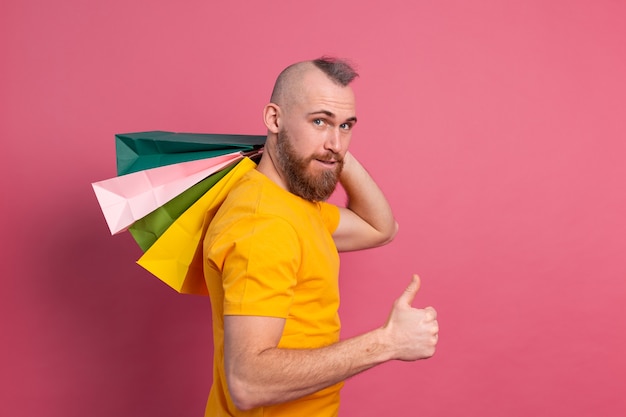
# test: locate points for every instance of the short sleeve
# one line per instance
(260, 270)
(330, 216)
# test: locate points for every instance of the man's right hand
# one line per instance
(412, 333)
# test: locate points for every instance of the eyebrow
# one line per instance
(332, 115)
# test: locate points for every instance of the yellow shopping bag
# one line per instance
(176, 256)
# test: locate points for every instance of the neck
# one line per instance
(267, 167)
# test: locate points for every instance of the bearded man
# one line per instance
(272, 263)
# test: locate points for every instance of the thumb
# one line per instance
(409, 293)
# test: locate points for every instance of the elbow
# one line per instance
(242, 404)
(396, 226)
(390, 234)
(242, 393)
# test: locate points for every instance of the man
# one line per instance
(272, 264)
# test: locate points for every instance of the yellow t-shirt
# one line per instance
(268, 252)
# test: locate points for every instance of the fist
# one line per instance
(412, 332)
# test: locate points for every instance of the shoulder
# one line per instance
(257, 194)
(254, 207)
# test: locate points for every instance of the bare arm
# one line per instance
(259, 373)
(367, 221)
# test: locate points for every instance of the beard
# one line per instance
(309, 186)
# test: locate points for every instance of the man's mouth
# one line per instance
(327, 162)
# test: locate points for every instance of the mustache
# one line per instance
(327, 157)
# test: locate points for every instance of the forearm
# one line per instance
(259, 373)
(278, 375)
(367, 201)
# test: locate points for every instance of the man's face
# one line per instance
(300, 179)
(313, 137)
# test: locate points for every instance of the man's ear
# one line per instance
(271, 117)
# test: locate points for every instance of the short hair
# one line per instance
(337, 70)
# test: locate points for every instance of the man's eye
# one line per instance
(318, 122)
(346, 126)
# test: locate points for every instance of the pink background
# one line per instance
(496, 128)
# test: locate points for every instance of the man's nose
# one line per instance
(333, 142)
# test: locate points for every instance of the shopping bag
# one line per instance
(176, 256)
(127, 198)
(169, 228)
(148, 229)
(145, 150)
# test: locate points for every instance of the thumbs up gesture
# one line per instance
(411, 332)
